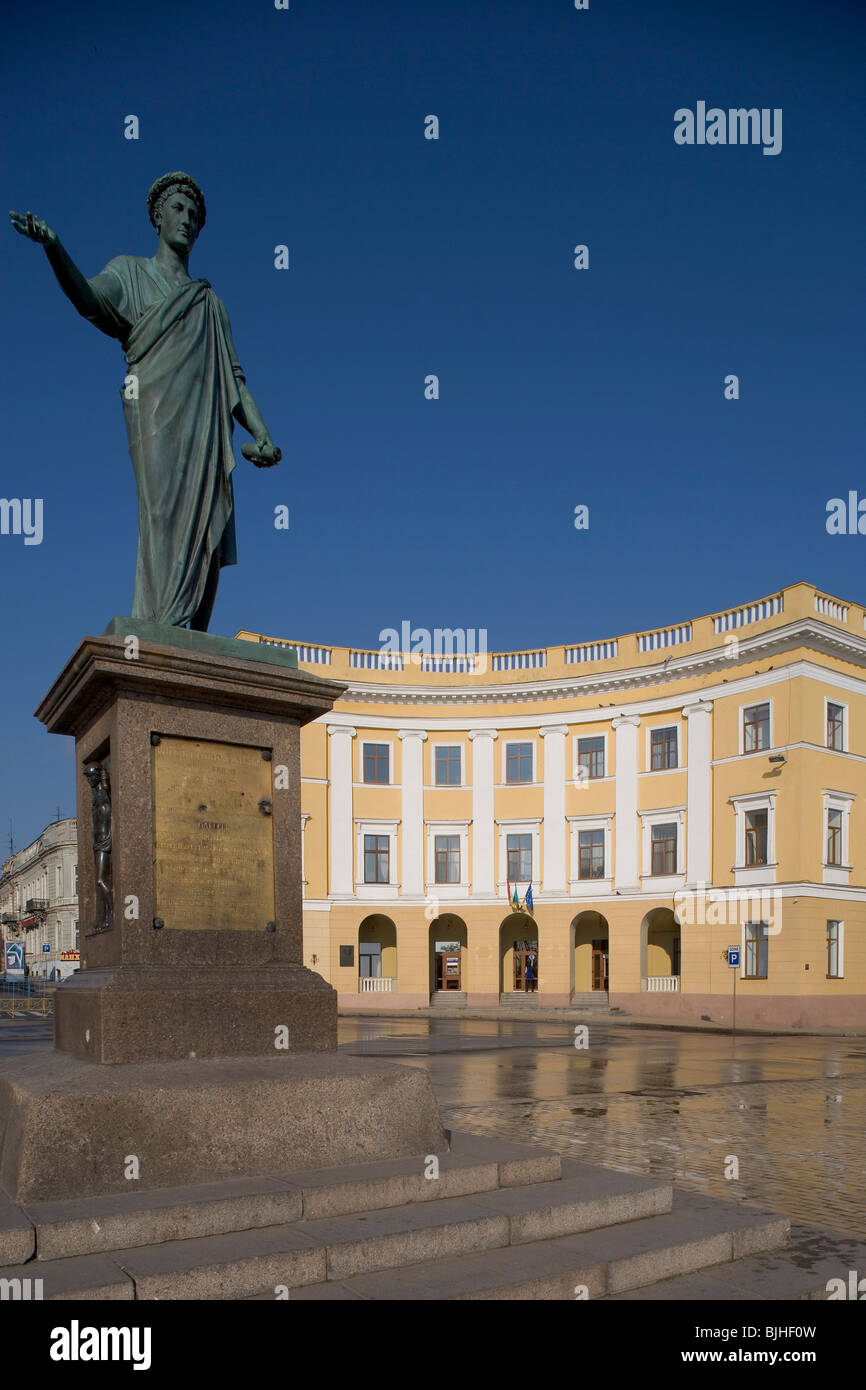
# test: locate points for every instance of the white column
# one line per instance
(412, 812)
(554, 807)
(626, 823)
(340, 808)
(483, 857)
(699, 859)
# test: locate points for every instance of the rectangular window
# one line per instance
(448, 766)
(518, 762)
(664, 849)
(834, 952)
(377, 859)
(590, 756)
(756, 728)
(757, 948)
(663, 749)
(835, 726)
(59, 880)
(834, 837)
(591, 854)
(756, 837)
(376, 762)
(447, 856)
(75, 880)
(519, 857)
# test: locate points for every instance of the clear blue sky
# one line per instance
(453, 257)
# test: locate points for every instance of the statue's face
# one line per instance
(178, 225)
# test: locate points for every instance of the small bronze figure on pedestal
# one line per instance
(97, 776)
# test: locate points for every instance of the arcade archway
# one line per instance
(377, 954)
(448, 954)
(590, 953)
(660, 951)
(519, 960)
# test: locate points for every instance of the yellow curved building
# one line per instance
(666, 795)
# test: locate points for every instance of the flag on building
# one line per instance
(515, 901)
(528, 899)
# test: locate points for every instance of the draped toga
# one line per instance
(177, 342)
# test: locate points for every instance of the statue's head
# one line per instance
(176, 207)
(95, 774)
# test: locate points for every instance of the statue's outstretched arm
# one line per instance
(69, 277)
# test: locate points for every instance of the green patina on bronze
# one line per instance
(184, 388)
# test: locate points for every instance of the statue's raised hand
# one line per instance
(29, 225)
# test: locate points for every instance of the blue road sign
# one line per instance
(733, 955)
(46, 948)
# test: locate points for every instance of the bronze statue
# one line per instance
(184, 386)
(97, 776)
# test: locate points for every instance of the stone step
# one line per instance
(802, 1269)
(698, 1232)
(306, 1252)
(448, 998)
(91, 1225)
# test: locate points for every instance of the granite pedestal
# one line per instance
(193, 1031)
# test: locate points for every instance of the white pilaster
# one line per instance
(699, 856)
(554, 807)
(340, 795)
(412, 812)
(483, 859)
(626, 823)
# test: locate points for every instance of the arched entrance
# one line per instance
(448, 954)
(660, 952)
(590, 954)
(377, 955)
(518, 955)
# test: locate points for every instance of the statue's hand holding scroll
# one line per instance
(263, 453)
(29, 225)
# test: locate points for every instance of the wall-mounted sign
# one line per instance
(443, 946)
(45, 948)
(69, 955)
(347, 955)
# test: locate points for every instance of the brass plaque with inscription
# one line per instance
(213, 836)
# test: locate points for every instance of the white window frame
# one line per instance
(843, 705)
(754, 874)
(590, 887)
(663, 882)
(377, 827)
(741, 733)
(447, 827)
(840, 952)
(519, 827)
(447, 786)
(589, 781)
(650, 730)
(383, 742)
(837, 801)
(508, 743)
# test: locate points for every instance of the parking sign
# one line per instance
(733, 955)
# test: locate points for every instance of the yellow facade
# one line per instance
(719, 804)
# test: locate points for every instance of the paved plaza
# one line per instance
(673, 1105)
(670, 1105)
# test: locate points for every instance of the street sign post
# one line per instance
(46, 948)
(734, 963)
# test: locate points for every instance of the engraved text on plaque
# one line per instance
(213, 835)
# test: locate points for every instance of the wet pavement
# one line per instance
(791, 1110)
(675, 1105)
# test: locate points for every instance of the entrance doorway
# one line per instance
(448, 970)
(599, 963)
(526, 967)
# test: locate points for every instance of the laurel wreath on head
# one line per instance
(161, 189)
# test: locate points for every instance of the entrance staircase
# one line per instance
(500, 1221)
(448, 999)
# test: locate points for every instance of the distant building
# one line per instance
(39, 902)
(667, 794)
